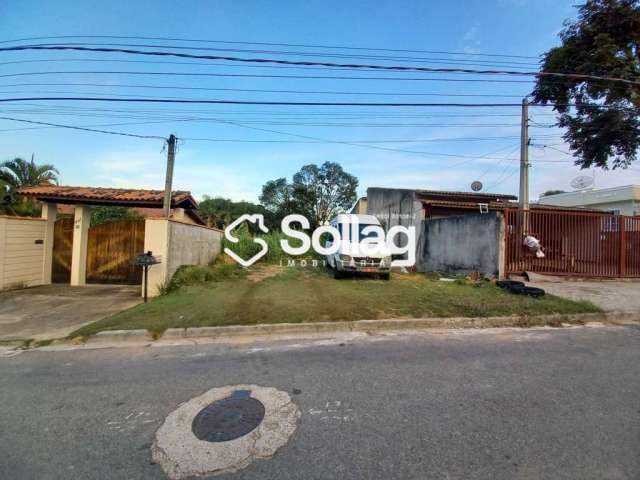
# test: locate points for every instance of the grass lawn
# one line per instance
(294, 295)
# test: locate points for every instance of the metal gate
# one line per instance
(581, 243)
(111, 250)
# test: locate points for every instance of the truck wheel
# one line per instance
(337, 274)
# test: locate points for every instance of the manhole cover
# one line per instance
(229, 418)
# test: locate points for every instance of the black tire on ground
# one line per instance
(509, 284)
(337, 274)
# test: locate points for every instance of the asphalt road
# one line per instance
(507, 404)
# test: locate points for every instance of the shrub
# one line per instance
(195, 274)
(247, 247)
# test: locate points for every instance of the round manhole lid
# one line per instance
(229, 418)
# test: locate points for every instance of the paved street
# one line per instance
(505, 404)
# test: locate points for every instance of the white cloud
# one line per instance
(144, 169)
(470, 41)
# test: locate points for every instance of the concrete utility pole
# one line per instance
(524, 156)
(168, 180)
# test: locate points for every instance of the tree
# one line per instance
(220, 212)
(278, 198)
(603, 129)
(104, 214)
(322, 192)
(22, 173)
(317, 192)
(552, 192)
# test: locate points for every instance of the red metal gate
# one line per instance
(581, 243)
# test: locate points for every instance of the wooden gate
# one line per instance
(582, 243)
(111, 250)
(62, 242)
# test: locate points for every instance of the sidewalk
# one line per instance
(609, 295)
(54, 311)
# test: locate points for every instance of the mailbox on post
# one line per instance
(145, 261)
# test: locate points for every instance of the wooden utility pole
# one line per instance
(524, 156)
(168, 180)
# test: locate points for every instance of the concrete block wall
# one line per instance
(22, 252)
(175, 244)
(463, 244)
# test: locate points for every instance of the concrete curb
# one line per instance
(109, 336)
(363, 326)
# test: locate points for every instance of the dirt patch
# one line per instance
(263, 272)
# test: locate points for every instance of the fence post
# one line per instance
(623, 247)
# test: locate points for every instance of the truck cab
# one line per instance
(362, 250)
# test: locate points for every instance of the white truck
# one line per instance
(362, 247)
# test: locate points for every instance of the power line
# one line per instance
(323, 140)
(247, 75)
(420, 60)
(437, 154)
(314, 92)
(340, 47)
(276, 113)
(288, 103)
(256, 102)
(73, 127)
(403, 68)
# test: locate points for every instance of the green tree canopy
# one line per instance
(220, 212)
(104, 214)
(317, 192)
(603, 128)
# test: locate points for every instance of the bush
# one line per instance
(247, 247)
(194, 275)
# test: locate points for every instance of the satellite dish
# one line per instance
(582, 182)
(476, 186)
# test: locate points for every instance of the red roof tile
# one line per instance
(107, 196)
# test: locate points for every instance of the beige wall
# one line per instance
(625, 199)
(175, 244)
(22, 252)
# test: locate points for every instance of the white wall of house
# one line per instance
(175, 244)
(23, 252)
(624, 200)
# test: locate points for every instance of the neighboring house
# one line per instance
(465, 232)
(70, 250)
(623, 200)
(399, 206)
(360, 207)
(456, 250)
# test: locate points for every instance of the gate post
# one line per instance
(622, 267)
(81, 219)
(49, 213)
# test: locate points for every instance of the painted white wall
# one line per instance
(22, 252)
(626, 199)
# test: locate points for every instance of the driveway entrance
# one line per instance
(54, 311)
(609, 295)
(111, 250)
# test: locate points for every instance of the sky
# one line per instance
(439, 145)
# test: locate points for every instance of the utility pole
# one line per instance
(168, 180)
(524, 156)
